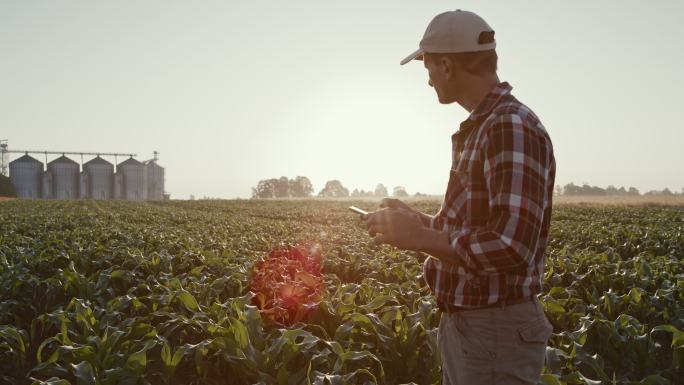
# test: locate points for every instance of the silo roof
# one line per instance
(130, 161)
(97, 160)
(152, 163)
(26, 159)
(63, 159)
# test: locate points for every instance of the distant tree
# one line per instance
(571, 189)
(301, 187)
(361, 193)
(633, 191)
(381, 191)
(666, 192)
(419, 195)
(558, 190)
(611, 190)
(400, 191)
(265, 189)
(282, 187)
(6, 187)
(334, 189)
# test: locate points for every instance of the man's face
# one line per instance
(442, 76)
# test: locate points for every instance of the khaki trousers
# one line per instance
(494, 346)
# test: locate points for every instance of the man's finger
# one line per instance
(380, 239)
(377, 217)
(374, 229)
(387, 202)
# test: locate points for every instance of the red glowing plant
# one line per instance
(288, 283)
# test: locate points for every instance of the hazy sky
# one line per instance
(231, 92)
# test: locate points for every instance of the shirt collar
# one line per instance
(484, 107)
(491, 100)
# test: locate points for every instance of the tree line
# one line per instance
(301, 187)
(585, 189)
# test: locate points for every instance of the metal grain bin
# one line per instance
(155, 181)
(26, 174)
(65, 173)
(133, 180)
(99, 176)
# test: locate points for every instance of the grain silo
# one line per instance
(99, 176)
(155, 180)
(65, 182)
(133, 180)
(26, 174)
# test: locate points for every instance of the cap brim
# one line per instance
(416, 55)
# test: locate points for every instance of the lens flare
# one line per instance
(288, 283)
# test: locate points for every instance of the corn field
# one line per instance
(295, 292)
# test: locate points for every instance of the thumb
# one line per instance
(388, 202)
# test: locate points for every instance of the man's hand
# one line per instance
(397, 204)
(397, 227)
(394, 203)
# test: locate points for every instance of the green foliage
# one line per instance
(6, 187)
(156, 293)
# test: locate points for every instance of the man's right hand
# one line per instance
(394, 203)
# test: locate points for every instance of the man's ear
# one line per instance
(447, 66)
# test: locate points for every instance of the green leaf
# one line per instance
(550, 379)
(240, 332)
(653, 379)
(188, 300)
(84, 373)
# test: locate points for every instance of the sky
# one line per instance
(231, 92)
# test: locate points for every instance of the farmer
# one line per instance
(487, 241)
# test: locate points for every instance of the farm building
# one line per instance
(133, 183)
(98, 179)
(26, 174)
(64, 178)
(155, 180)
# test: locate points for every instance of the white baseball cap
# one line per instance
(453, 32)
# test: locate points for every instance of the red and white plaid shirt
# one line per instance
(497, 206)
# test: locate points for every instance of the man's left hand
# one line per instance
(396, 227)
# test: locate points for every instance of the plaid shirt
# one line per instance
(497, 206)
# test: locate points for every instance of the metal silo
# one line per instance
(65, 174)
(99, 178)
(155, 181)
(26, 174)
(133, 180)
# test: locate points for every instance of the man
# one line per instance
(486, 243)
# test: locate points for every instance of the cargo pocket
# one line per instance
(535, 332)
(470, 343)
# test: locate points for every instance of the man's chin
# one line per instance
(444, 100)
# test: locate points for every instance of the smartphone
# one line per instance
(358, 210)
